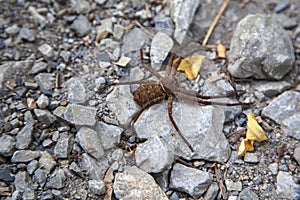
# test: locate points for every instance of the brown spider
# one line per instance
(167, 87)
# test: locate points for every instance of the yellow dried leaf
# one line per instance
(246, 145)
(190, 65)
(254, 130)
(221, 51)
(254, 133)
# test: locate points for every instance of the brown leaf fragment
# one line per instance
(221, 51)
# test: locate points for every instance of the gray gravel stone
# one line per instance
(43, 101)
(47, 162)
(7, 146)
(253, 52)
(274, 168)
(247, 194)
(296, 154)
(26, 34)
(285, 21)
(182, 14)
(233, 186)
(205, 134)
(47, 51)
(38, 18)
(286, 187)
(57, 180)
(120, 102)
(271, 88)
(22, 181)
(40, 177)
(164, 24)
(212, 192)
(77, 114)
(95, 169)
(32, 166)
(45, 81)
(81, 6)
(44, 116)
(38, 67)
(29, 194)
(77, 91)
(154, 156)
(89, 140)
(110, 135)
(160, 47)
(97, 187)
(125, 185)
(25, 156)
(192, 181)
(64, 145)
(251, 158)
(81, 26)
(105, 27)
(288, 117)
(24, 137)
(11, 70)
(12, 30)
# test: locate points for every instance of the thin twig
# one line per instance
(214, 23)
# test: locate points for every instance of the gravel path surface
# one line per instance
(64, 136)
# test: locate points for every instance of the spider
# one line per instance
(151, 92)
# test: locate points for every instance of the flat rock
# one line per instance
(57, 180)
(38, 67)
(233, 186)
(47, 51)
(95, 169)
(81, 6)
(77, 114)
(160, 47)
(25, 156)
(7, 146)
(22, 181)
(89, 140)
(182, 14)
(125, 185)
(12, 70)
(288, 117)
(110, 136)
(286, 187)
(44, 116)
(253, 52)
(77, 91)
(192, 181)
(120, 102)
(47, 162)
(212, 191)
(153, 156)
(97, 187)
(45, 81)
(247, 193)
(271, 88)
(297, 155)
(81, 26)
(64, 145)
(27, 34)
(204, 134)
(5, 173)
(24, 137)
(251, 158)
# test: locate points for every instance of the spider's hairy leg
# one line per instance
(206, 102)
(170, 112)
(124, 83)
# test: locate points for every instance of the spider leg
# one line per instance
(192, 93)
(148, 68)
(205, 102)
(126, 83)
(145, 106)
(170, 106)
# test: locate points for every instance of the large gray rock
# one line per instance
(154, 155)
(260, 48)
(200, 125)
(24, 137)
(47, 162)
(134, 183)
(110, 135)
(7, 146)
(286, 187)
(95, 169)
(22, 181)
(81, 26)
(25, 156)
(64, 145)
(284, 110)
(192, 181)
(77, 91)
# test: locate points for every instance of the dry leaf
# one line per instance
(221, 51)
(123, 61)
(190, 65)
(254, 130)
(254, 133)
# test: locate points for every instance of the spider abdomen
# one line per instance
(149, 93)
